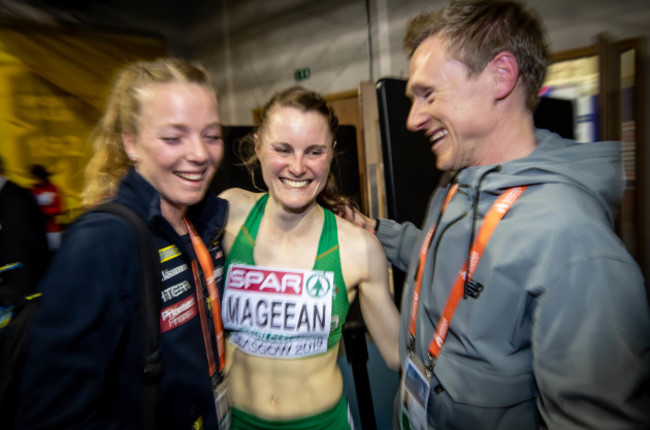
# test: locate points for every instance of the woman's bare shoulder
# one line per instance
(240, 203)
(239, 200)
(238, 194)
(355, 233)
(362, 257)
(357, 243)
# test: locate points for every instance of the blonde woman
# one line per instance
(157, 147)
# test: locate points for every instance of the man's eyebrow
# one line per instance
(414, 90)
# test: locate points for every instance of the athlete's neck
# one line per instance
(297, 222)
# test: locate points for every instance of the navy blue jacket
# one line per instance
(83, 367)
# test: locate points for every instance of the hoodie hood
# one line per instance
(595, 168)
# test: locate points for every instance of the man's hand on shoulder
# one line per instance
(354, 215)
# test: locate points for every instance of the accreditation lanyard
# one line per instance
(499, 208)
(205, 261)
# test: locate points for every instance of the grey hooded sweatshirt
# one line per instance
(556, 334)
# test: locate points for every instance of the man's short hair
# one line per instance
(477, 30)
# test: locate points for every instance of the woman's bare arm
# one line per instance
(364, 264)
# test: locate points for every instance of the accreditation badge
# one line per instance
(221, 403)
(414, 389)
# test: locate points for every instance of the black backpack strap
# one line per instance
(18, 310)
(150, 297)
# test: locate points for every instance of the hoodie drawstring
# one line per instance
(476, 286)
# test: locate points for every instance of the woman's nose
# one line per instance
(297, 166)
(197, 150)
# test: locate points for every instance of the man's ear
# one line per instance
(129, 146)
(506, 74)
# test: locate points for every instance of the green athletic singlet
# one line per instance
(327, 259)
(338, 418)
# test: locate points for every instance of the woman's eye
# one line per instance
(171, 139)
(213, 138)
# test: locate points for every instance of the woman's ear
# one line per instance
(129, 146)
(506, 74)
(256, 146)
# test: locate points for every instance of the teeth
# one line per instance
(191, 176)
(439, 135)
(295, 184)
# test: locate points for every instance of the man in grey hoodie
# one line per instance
(550, 326)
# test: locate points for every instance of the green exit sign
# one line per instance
(301, 74)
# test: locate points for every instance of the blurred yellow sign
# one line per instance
(52, 89)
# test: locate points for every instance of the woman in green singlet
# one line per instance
(293, 267)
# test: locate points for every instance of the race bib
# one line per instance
(279, 313)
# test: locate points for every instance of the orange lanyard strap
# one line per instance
(423, 257)
(205, 261)
(204, 319)
(500, 207)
